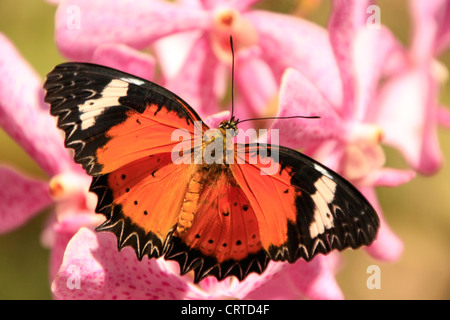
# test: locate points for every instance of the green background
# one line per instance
(419, 212)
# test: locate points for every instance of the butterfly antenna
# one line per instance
(232, 96)
(281, 118)
(232, 78)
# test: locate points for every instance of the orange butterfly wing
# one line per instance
(130, 198)
(224, 238)
(303, 208)
(112, 118)
(217, 220)
(280, 206)
(120, 128)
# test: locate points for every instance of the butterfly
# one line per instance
(215, 219)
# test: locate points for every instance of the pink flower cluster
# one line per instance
(366, 86)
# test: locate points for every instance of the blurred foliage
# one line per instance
(419, 212)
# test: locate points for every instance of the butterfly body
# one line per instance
(219, 218)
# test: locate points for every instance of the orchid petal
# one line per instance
(253, 286)
(215, 289)
(126, 59)
(61, 232)
(195, 80)
(242, 5)
(21, 198)
(388, 177)
(316, 279)
(347, 17)
(310, 54)
(196, 4)
(83, 25)
(407, 113)
(443, 36)
(373, 50)
(431, 28)
(444, 116)
(330, 153)
(363, 55)
(173, 50)
(280, 287)
(25, 116)
(425, 30)
(299, 97)
(256, 85)
(313, 280)
(92, 268)
(211, 4)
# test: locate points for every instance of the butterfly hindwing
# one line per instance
(304, 208)
(224, 238)
(130, 198)
(112, 118)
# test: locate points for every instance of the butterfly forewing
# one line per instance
(112, 118)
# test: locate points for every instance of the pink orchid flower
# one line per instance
(348, 136)
(25, 117)
(94, 269)
(409, 100)
(193, 45)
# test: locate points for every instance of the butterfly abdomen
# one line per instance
(190, 202)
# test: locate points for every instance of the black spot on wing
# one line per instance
(127, 232)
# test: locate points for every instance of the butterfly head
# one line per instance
(230, 126)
